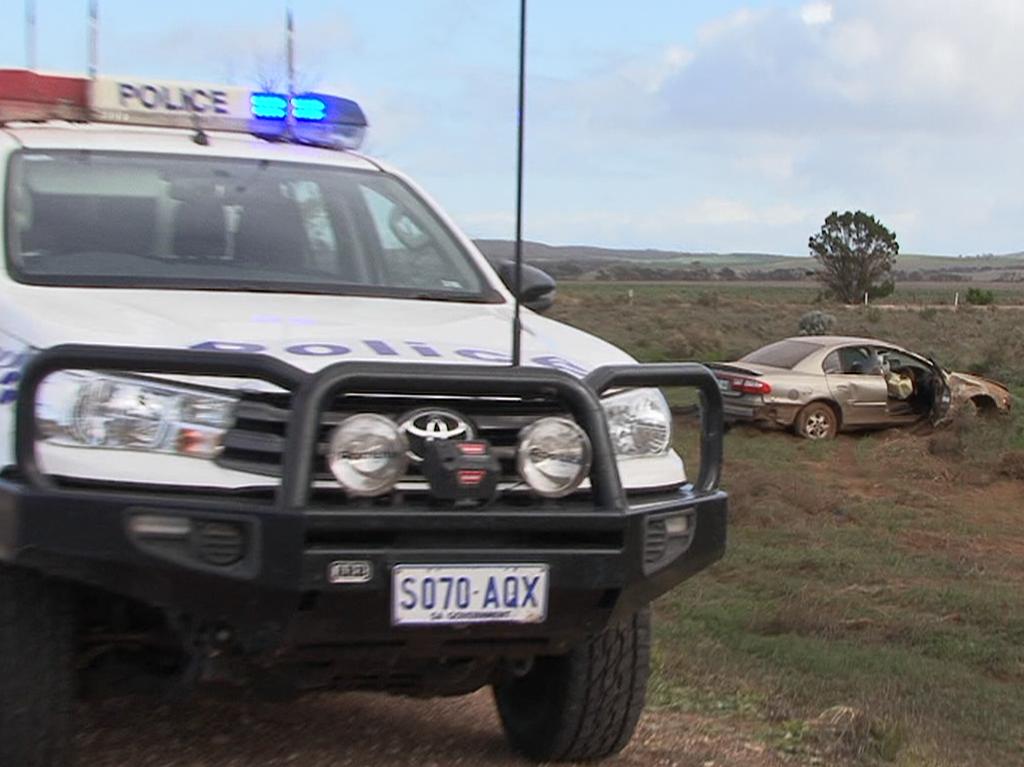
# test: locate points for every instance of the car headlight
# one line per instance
(639, 422)
(86, 409)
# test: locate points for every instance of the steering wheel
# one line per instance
(406, 230)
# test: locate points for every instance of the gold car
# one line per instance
(820, 385)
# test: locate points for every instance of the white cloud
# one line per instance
(718, 211)
(815, 14)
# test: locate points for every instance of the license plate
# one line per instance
(440, 594)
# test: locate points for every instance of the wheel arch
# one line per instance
(985, 403)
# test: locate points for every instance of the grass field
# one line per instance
(713, 322)
(870, 609)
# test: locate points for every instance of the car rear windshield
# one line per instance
(119, 219)
(782, 354)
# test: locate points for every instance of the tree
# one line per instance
(857, 253)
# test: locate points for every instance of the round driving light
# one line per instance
(553, 456)
(367, 454)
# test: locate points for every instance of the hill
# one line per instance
(591, 262)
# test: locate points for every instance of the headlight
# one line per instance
(85, 409)
(368, 454)
(553, 456)
(639, 422)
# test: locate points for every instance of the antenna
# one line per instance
(290, 49)
(517, 330)
(94, 34)
(289, 54)
(30, 34)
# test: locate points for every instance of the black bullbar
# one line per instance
(598, 545)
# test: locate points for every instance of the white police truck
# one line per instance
(260, 426)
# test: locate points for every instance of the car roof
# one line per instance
(134, 138)
(832, 341)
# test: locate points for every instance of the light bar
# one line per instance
(268, 106)
(315, 118)
(319, 119)
(309, 108)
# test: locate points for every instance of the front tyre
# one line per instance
(583, 705)
(36, 671)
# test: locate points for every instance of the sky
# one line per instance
(697, 125)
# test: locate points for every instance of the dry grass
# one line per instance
(868, 610)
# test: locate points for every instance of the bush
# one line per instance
(816, 323)
(707, 299)
(886, 288)
(980, 297)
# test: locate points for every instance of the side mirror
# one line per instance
(538, 287)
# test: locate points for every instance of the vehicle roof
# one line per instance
(831, 341)
(137, 138)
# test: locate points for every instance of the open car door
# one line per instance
(942, 397)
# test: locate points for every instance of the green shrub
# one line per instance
(980, 297)
(816, 323)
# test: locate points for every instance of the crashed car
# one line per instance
(821, 385)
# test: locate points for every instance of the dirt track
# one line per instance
(355, 730)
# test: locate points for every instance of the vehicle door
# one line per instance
(942, 397)
(854, 377)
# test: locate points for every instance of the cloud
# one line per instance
(814, 14)
(856, 66)
(747, 134)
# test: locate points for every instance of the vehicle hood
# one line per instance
(967, 385)
(307, 331)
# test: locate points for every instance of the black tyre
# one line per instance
(36, 671)
(817, 421)
(584, 705)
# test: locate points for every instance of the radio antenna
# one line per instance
(94, 33)
(289, 63)
(518, 282)
(30, 34)
(290, 49)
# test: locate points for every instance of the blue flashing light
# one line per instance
(309, 108)
(269, 106)
(318, 119)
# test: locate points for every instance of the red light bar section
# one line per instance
(28, 95)
(473, 448)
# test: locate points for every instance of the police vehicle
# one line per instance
(260, 426)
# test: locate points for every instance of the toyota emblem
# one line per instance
(421, 426)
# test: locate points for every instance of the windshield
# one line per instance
(115, 219)
(782, 354)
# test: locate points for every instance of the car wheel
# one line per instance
(37, 671)
(817, 421)
(583, 705)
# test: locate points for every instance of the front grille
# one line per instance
(255, 443)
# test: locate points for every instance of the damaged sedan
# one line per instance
(821, 385)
